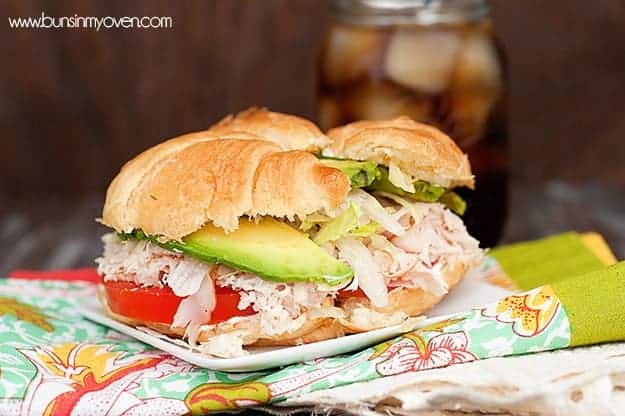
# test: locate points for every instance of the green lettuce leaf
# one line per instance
(312, 220)
(361, 174)
(366, 230)
(340, 226)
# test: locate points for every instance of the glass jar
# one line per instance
(435, 61)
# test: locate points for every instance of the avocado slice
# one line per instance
(268, 248)
(360, 174)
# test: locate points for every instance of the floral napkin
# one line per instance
(54, 362)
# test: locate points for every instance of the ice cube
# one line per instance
(475, 88)
(384, 101)
(478, 64)
(422, 59)
(467, 115)
(351, 53)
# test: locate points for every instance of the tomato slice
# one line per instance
(159, 304)
(345, 294)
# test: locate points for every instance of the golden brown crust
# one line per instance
(421, 151)
(117, 214)
(282, 178)
(288, 131)
(174, 188)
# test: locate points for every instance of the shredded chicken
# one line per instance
(280, 306)
(438, 241)
(146, 264)
(433, 239)
(227, 345)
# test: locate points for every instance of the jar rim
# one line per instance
(422, 12)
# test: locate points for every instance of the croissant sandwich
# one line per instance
(262, 230)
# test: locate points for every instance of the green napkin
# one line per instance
(534, 263)
(595, 305)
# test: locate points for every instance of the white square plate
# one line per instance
(469, 293)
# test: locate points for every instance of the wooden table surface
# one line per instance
(53, 233)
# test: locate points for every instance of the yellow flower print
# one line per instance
(529, 313)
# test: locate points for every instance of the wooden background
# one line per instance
(76, 104)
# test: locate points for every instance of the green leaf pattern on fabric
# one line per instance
(80, 365)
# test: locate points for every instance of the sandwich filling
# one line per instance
(392, 231)
(277, 307)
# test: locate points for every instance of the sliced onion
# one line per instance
(186, 278)
(372, 208)
(366, 270)
(417, 210)
(353, 284)
(196, 310)
(399, 178)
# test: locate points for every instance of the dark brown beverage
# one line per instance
(378, 64)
